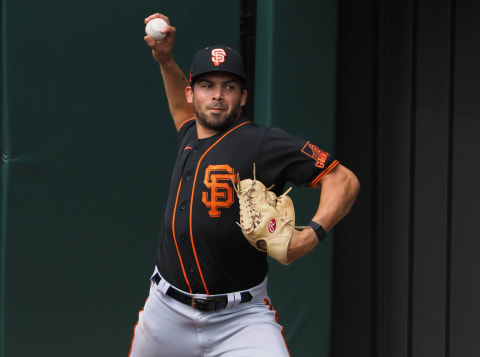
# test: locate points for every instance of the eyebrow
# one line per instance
(233, 80)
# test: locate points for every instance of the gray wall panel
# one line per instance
(465, 246)
(431, 180)
(394, 176)
(424, 178)
(353, 265)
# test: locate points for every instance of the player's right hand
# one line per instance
(161, 49)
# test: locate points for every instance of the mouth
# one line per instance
(216, 109)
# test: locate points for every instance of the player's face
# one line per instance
(217, 99)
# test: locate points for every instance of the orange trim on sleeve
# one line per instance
(191, 200)
(323, 173)
(175, 237)
(185, 122)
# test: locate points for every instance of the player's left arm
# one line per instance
(338, 191)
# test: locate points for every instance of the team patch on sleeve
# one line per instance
(315, 153)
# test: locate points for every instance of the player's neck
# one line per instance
(203, 133)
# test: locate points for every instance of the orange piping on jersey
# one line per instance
(135, 327)
(270, 306)
(187, 148)
(175, 238)
(191, 200)
(185, 122)
(322, 174)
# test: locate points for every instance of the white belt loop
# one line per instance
(231, 301)
(238, 298)
(163, 285)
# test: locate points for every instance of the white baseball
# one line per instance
(153, 29)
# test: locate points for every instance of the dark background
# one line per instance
(406, 261)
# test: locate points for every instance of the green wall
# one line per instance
(295, 90)
(88, 149)
(86, 155)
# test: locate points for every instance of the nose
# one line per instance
(217, 93)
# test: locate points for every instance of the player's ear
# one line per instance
(189, 94)
(243, 101)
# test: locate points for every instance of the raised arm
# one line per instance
(339, 190)
(174, 79)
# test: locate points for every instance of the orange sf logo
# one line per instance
(218, 180)
(218, 56)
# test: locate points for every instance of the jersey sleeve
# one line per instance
(286, 158)
(185, 128)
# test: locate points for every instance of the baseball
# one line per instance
(153, 29)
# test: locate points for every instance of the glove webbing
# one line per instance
(237, 188)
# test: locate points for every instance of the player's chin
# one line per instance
(218, 125)
(218, 120)
(218, 115)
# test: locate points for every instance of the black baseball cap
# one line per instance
(216, 59)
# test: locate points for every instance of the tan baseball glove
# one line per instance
(265, 217)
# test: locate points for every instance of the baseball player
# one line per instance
(208, 292)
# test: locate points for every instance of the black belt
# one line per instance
(208, 304)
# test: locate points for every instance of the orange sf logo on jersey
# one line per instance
(315, 153)
(218, 180)
(218, 56)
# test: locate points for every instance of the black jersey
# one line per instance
(201, 249)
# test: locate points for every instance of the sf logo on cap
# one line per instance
(218, 56)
